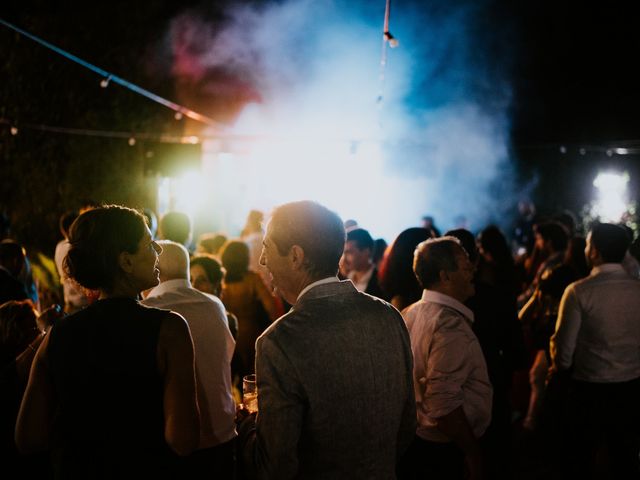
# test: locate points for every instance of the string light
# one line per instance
(132, 141)
(387, 38)
(393, 41)
(14, 131)
(109, 77)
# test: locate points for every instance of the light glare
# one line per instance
(612, 192)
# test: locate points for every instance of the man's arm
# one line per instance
(447, 370)
(563, 341)
(271, 450)
(408, 423)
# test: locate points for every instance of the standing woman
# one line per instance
(112, 392)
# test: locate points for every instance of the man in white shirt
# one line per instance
(597, 345)
(213, 348)
(452, 388)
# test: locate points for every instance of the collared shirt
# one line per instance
(363, 281)
(213, 348)
(315, 284)
(449, 369)
(598, 327)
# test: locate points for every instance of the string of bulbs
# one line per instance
(108, 77)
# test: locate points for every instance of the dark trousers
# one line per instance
(603, 430)
(431, 460)
(214, 462)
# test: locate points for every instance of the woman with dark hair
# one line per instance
(111, 392)
(207, 275)
(496, 266)
(245, 295)
(540, 314)
(396, 276)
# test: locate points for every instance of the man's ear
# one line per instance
(125, 262)
(444, 276)
(594, 256)
(296, 255)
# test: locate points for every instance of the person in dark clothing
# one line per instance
(12, 260)
(112, 392)
(358, 261)
(500, 336)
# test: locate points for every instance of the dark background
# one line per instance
(575, 95)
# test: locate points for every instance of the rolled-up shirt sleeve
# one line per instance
(447, 369)
(563, 342)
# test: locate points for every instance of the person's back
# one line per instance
(354, 394)
(334, 375)
(610, 330)
(213, 347)
(109, 420)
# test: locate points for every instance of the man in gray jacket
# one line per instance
(334, 374)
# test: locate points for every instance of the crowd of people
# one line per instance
(442, 356)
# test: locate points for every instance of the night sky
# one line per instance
(559, 77)
(576, 78)
(571, 66)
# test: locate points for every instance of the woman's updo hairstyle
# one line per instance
(97, 238)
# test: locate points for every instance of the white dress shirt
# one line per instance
(598, 327)
(449, 368)
(363, 280)
(213, 348)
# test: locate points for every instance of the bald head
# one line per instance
(173, 262)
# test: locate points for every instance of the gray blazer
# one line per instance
(335, 388)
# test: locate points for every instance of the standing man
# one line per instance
(452, 389)
(597, 345)
(213, 348)
(334, 377)
(357, 260)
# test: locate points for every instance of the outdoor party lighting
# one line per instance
(186, 193)
(612, 194)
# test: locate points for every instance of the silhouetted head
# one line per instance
(112, 247)
(175, 226)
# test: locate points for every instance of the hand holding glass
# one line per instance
(250, 393)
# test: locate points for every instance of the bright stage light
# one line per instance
(186, 193)
(612, 196)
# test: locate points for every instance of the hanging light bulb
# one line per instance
(14, 131)
(178, 116)
(132, 141)
(104, 83)
(393, 41)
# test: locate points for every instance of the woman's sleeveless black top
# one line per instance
(109, 420)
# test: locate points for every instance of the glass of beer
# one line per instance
(250, 393)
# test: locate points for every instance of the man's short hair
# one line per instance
(361, 238)
(173, 262)
(314, 228)
(555, 233)
(433, 256)
(175, 226)
(611, 241)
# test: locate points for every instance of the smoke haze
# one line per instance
(308, 119)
